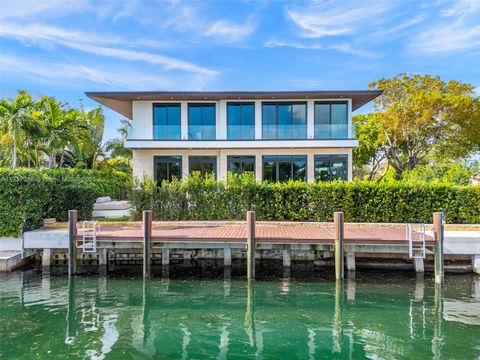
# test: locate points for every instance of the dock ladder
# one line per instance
(416, 247)
(89, 236)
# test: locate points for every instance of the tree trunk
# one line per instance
(51, 163)
(36, 157)
(14, 154)
(62, 157)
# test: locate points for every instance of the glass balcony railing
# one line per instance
(284, 132)
(335, 131)
(201, 132)
(241, 132)
(166, 132)
(247, 132)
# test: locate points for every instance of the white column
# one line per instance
(221, 166)
(222, 120)
(258, 167)
(310, 119)
(184, 166)
(310, 168)
(350, 166)
(350, 132)
(184, 119)
(258, 120)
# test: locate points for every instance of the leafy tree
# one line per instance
(455, 173)
(423, 115)
(116, 146)
(371, 148)
(61, 128)
(14, 114)
(90, 146)
(35, 134)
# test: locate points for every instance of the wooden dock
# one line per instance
(253, 238)
(346, 245)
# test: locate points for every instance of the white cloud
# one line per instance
(62, 74)
(342, 47)
(27, 9)
(332, 18)
(228, 30)
(195, 18)
(48, 35)
(460, 31)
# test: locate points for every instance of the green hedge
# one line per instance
(27, 197)
(197, 198)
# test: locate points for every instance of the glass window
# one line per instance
(240, 121)
(284, 168)
(284, 121)
(166, 121)
(167, 167)
(331, 120)
(201, 122)
(203, 164)
(240, 164)
(331, 167)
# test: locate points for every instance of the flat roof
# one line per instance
(121, 101)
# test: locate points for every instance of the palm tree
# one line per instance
(13, 115)
(35, 134)
(61, 128)
(90, 146)
(116, 146)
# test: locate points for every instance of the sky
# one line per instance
(63, 48)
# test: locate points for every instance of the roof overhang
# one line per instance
(122, 101)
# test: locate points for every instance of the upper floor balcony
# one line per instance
(238, 119)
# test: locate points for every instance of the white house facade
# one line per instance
(279, 136)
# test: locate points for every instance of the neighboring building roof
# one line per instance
(122, 101)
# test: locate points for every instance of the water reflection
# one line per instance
(101, 317)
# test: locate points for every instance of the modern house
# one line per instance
(278, 135)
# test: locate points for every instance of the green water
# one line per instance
(386, 317)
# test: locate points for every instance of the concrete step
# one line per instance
(111, 213)
(112, 205)
(10, 260)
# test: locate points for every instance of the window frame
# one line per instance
(329, 103)
(330, 158)
(241, 159)
(202, 105)
(277, 104)
(276, 159)
(241, 104)
(166, 159)
(201, 159)
(166, 105)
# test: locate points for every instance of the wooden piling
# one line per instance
(438, 236)
(250, 245)
(147, 245)
(338, 220)
(72, 242)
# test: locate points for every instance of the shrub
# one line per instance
(198, 198)
(27, 197)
